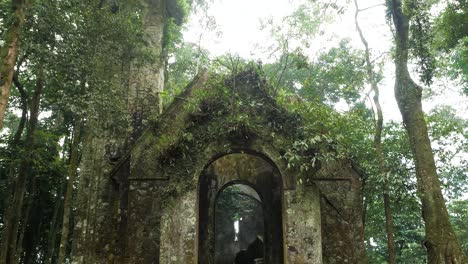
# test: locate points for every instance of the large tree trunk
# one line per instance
(68, 202)
(9, 54)
(441, 242)
(378, 143)
(98, 219)
(15, 142)
(13, 215)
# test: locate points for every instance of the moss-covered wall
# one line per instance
(341, 210)
(178, 230)
(303, 225)
(142, 229)
(300, 209)
(147, 204)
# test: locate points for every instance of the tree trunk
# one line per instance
(53, 227)
(441, 242)
(32, 238)
(378, 143)
(67, 203)
(15, 142)
(25, 223)
(24, 110)
(9, 54)
(13, 216)
(96, 220)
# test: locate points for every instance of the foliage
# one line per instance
(459, 217)
(408, 225)
(449, 137)
(234, 203)
(451, 25)
(335, 75)
(178, 11)
(182, 68)
(451, 42)
(421, 38)
(445, 127)
(86, 48)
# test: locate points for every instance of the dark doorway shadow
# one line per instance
(251, 187)
(239, 225)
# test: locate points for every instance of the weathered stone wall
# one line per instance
(178, 223)
(341, 213)
(143, 230)
(145, 212)
(178, 230)
(303, 228)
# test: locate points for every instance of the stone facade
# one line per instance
(179, 230)
(147, 190)
(303, 225)
(156, 204)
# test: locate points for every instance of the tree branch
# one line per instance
(372, 6)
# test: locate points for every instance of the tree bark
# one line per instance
(13, 216)
(15, 142)
(51, 244)
(25, 223)
(441, 242)
(378, 143)
(24, 110)
(9, 54)
(67, 203)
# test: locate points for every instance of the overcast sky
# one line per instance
(239, 22)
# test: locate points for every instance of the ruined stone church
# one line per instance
(157, 198)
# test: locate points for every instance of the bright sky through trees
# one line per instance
(239, 24)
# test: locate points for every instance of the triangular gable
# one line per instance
(198, 125)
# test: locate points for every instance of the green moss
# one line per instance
(223, 116)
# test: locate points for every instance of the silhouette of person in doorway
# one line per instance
(253, 251)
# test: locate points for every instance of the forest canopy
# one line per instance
(385, 84)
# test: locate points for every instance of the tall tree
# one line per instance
(372, 78)
(9, 53)
(441, 242)
(67, 204)
(8, 252)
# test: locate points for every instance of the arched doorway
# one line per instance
(230, 177)
(239, 225)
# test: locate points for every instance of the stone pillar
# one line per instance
(303, 227)
(341, 212)
(178, 230)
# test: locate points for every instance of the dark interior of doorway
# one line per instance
(250, 169)
(239, 225)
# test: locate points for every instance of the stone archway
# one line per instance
(263, 176)
(157, 202)
(239, 224)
